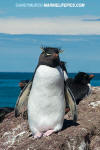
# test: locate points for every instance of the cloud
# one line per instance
(72, 39)
(52, 25)
(94, 19)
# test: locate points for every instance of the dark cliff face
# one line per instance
(84, 135)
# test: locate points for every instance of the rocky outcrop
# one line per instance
(4, 111)
(84, 135)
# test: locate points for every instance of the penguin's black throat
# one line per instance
(50, 57)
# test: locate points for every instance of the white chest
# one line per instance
(46, 104)
(48, 80)
(47, 87)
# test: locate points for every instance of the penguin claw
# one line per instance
(38, 135)
(49, 132)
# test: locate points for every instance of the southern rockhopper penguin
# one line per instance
(46, 102)
(50, 63)
(80, 85)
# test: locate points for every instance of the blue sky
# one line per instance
(24, 29)
(68, 20)
(8, 7)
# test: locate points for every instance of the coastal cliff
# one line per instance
(84, 135)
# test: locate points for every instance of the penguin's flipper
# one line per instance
(22, 101)
(71, 103)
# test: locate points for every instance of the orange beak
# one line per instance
(21, 84)
(55, 55)
(91, 76)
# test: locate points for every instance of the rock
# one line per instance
(84, 135)
(4, 111)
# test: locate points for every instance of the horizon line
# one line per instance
(33, 72)
(50, 34)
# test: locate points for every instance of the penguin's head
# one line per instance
(50, 56)
(83, 78)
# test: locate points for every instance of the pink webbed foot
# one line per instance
(47, 133)
(37, 135)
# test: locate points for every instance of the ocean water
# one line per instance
(9, 86)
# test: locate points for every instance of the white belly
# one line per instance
(46, 104)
